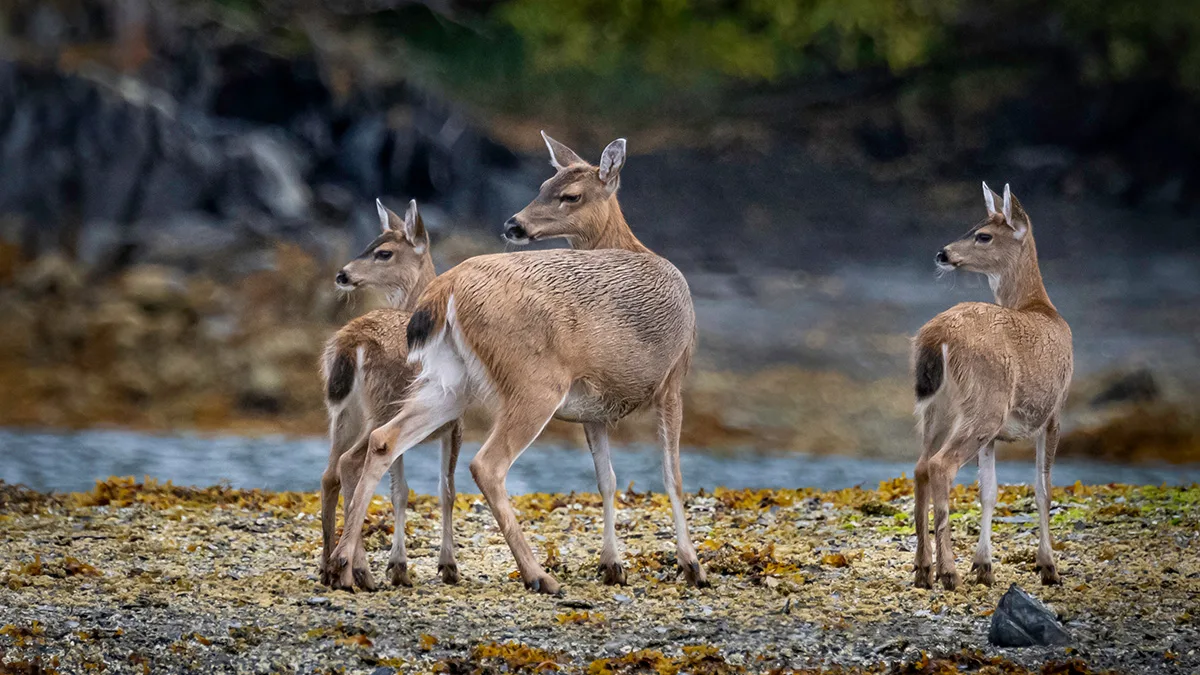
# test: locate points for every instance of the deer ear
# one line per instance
(388, 220)
(989, 199)
(1014, 215)
(611, 162)
(560, 155)
(414, 228)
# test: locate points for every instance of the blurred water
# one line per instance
(72, 461)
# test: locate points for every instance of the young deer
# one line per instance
(366, 372)
(987, 372)
(584, 336)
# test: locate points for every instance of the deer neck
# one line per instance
(408, 301)
(1020, 287)
(610, 231)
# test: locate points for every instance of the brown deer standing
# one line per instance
(584, 336)
(987, 372)
(366, 372)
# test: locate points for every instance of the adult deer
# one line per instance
(584, 336)
(985, 373)
(366, 373)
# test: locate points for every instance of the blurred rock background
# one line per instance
(180, 180)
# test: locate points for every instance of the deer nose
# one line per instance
(514, 230)
(342, 279)
(942, 257)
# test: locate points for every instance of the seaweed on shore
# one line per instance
(151, 577)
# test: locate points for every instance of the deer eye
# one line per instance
(383, 255)
(983, 237)
(570, 199)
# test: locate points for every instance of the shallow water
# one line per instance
(72, 461)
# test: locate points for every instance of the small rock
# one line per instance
(383, 670)
(576, 604)
(318, 600)
(1021, 620)
(1024, 518)
(623, 599)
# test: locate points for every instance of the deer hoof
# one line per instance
(544, 584)
(984, 574)
(449, 572)
(1050, 575)
(694, 574)
(398, 574)
(363, 579)
(613, 574)
(924, 576)
(339, 580)
(949, 579)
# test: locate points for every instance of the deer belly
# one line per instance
(1017, 427)
(585, 403)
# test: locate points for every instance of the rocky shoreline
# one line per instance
(148, 577)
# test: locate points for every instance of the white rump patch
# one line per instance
(449, 369)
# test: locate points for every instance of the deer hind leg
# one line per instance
(961, 446)
(1047, 445)
(521, 418)
(429, 409)
(397, 567)
(670, 419)
(451, 444)
(345, 431)
(923, 566)
(982, 565)
(350, 466)
(611, 569)
(933, 433)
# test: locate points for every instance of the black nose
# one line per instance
(942, 257)
(342, 279)
(514, 230)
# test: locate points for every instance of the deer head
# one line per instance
(577, 203)
(398, 259)
(997, 244)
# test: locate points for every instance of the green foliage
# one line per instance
(749, 40)
(1125, 39)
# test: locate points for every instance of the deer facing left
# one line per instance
(987, 372)
(366, 372)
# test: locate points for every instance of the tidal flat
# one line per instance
(152, 577)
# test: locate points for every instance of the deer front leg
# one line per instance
(611, 569)
(517, 425)
(670, 414)
(982, 565)
(1047, 445)
(923, 566)
(397, 567)
(424, 413)
(451, 444)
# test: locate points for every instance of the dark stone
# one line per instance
(1021, 620)
(383, 670)
(1138, 386)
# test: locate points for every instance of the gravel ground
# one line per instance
(148, 577)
